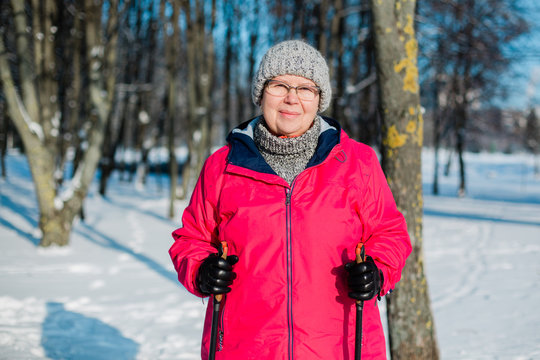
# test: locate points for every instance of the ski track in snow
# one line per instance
(113, 294)
(473, 255)
(483, 271)
(138, 231)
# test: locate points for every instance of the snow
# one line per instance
(113, 294)
(34, 127)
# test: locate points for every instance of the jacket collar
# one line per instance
(244, 153)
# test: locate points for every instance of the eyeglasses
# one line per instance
(304, 92)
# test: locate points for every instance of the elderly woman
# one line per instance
(292, 195)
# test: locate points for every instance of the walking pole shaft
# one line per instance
(213, 334)
(215, 313)
(359, 309)
(358, 338)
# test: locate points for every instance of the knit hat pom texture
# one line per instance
(293, 57)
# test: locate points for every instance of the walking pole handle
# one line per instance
(225, 250)
(360, 253)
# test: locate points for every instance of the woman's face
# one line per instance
(288, 115)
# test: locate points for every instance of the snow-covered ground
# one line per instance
(113, 294)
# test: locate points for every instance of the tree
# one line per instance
(466, 44)
(32, 93)
(411, 326)
(131, 129)
(200, 56)
(172, 44)
(532, 138)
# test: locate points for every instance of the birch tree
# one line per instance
(31, 86)
(411, 326)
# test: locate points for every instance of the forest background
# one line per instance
(177, 77)
(143, 86)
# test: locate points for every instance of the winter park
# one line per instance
(113, 294)
(341, 149)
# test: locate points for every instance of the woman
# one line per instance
(292, 195)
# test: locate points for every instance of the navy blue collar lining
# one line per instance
(244, 152)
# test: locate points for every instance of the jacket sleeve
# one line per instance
(197, 238)
(385, 234)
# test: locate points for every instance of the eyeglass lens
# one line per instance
(304, 92)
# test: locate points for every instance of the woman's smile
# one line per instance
(289, 113)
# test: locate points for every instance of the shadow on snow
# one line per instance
(478, 217)
(69, 335)
(108, 242)
(25, 213)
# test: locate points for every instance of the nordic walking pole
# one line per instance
(359, 251)
(215, 314)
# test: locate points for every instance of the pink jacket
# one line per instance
(290, 300)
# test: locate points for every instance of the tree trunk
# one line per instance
(171, 54)
(200, 70)
(337, 71)
(227, 85)
(411, 326)
(437, 113)
(3, 136)
(173, 164)
(460, 148)
(436, 169)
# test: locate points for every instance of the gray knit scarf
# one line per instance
(287, 156)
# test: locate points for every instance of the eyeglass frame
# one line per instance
(289, 87)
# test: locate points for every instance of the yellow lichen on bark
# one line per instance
(416, 126)
(394, 139)
(411, 48)
(420, 138)
(409, 28)
(401, 65)
(410, 80)
(411, 127)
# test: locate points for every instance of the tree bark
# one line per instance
(411, 325)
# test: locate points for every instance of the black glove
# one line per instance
(215, 274)
(365, 279)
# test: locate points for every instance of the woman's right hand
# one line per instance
(216, 274)
(365, 279)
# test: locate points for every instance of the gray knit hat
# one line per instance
(293, 57)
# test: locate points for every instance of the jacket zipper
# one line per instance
(288, 194)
